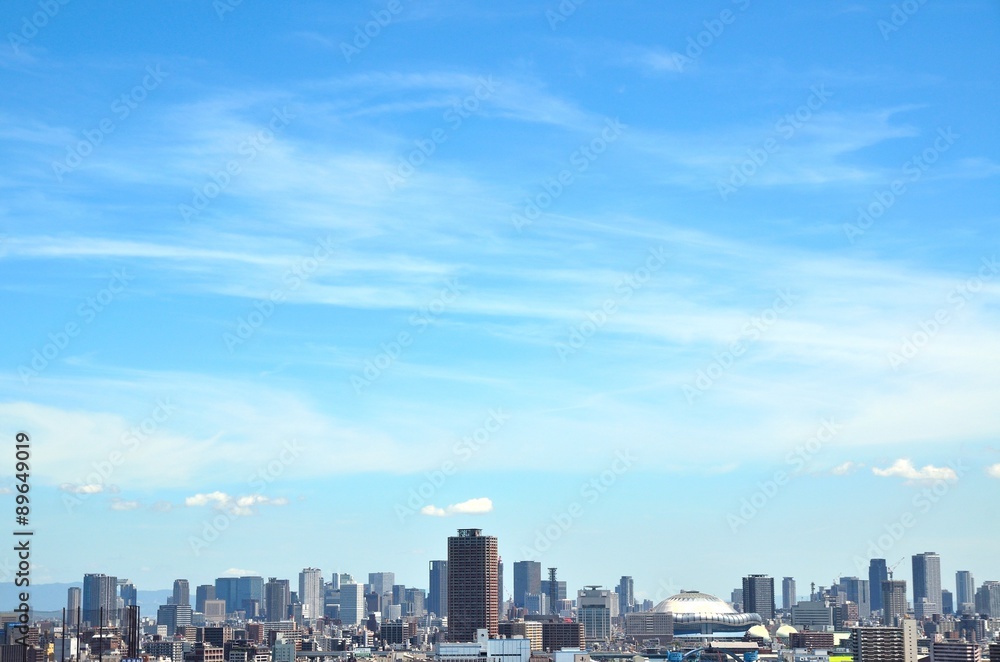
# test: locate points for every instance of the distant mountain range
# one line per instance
(52, 598)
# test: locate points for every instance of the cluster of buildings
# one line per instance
(464, 615)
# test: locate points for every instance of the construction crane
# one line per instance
(893, 567)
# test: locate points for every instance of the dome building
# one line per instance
(696, 614)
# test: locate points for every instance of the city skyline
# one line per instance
(564, 272)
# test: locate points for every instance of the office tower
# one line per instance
(880, 644)
(927, 583)
(758, 596)
(736, 597)
(988, 599)
(788, 593)
(527, 579)
(537, 603)
(499, 586)
(472, 585)
(381, 583)
(414, 602)
(437, 594)
(814, 615)
(182, 592)
(626, 596)
(965, 591)
(100, 600)
(352, 603)
(893, 601)
(594, 611)
(954, 651)
(335, 581)
(878, 572)
(133, 631)
(311, 593)
(277, 598)
(947, 602)
(226, 588)
(73, 605)
(127, 592)
(858, 591)
(910, 651)
(202, 593)
(249, 590)
(173, 616)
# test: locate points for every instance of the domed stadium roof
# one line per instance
(759, 631)
(784, 631)
(693, 602)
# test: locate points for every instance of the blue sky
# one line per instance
(714, 284)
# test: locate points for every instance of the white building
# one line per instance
(484, 649)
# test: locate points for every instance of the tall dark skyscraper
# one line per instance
(927, 583)
(277, 597)
(249, 589)
(499, 586)
(100, 596)
(893, 601)
(182, 592)
(527, 579)
(133, 631)
(878, 572)
(226, 588)
(128, 593)
(626, 595)
(965, 590)
(437, 593)
(74, 602)
(202, 593)
(472, 585)
(758, 595)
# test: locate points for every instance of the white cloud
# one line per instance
(903, 468)
(471, 507)
(240, 572)
(846, 468)
(82, 489)
(994, 470)
(122, 504)
(241, 506)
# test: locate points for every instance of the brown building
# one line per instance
(562, 634)
(472, 585)
(809, 639)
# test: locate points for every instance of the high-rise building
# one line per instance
(878, 572)
(988, 599)
(965, 591)
(277, 598)
(954, 651)
(100, 600)
(173, 616)
(626, 596)
(594, 611)
(927, 583)
(858, 591)
(758, 596)
(437, 594)
(352, 603)
(128, 593)
(311, 593)
(227, 588)
(133, 631)
(788, 593)
(527, 579)
(249, 590)
(74, 604)
(947, 602)
(381, 583)
(182, 592)
(893, 601)
(880, 644)
(202, 593)
(472, 585)
(499, 586)
(813, 615)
